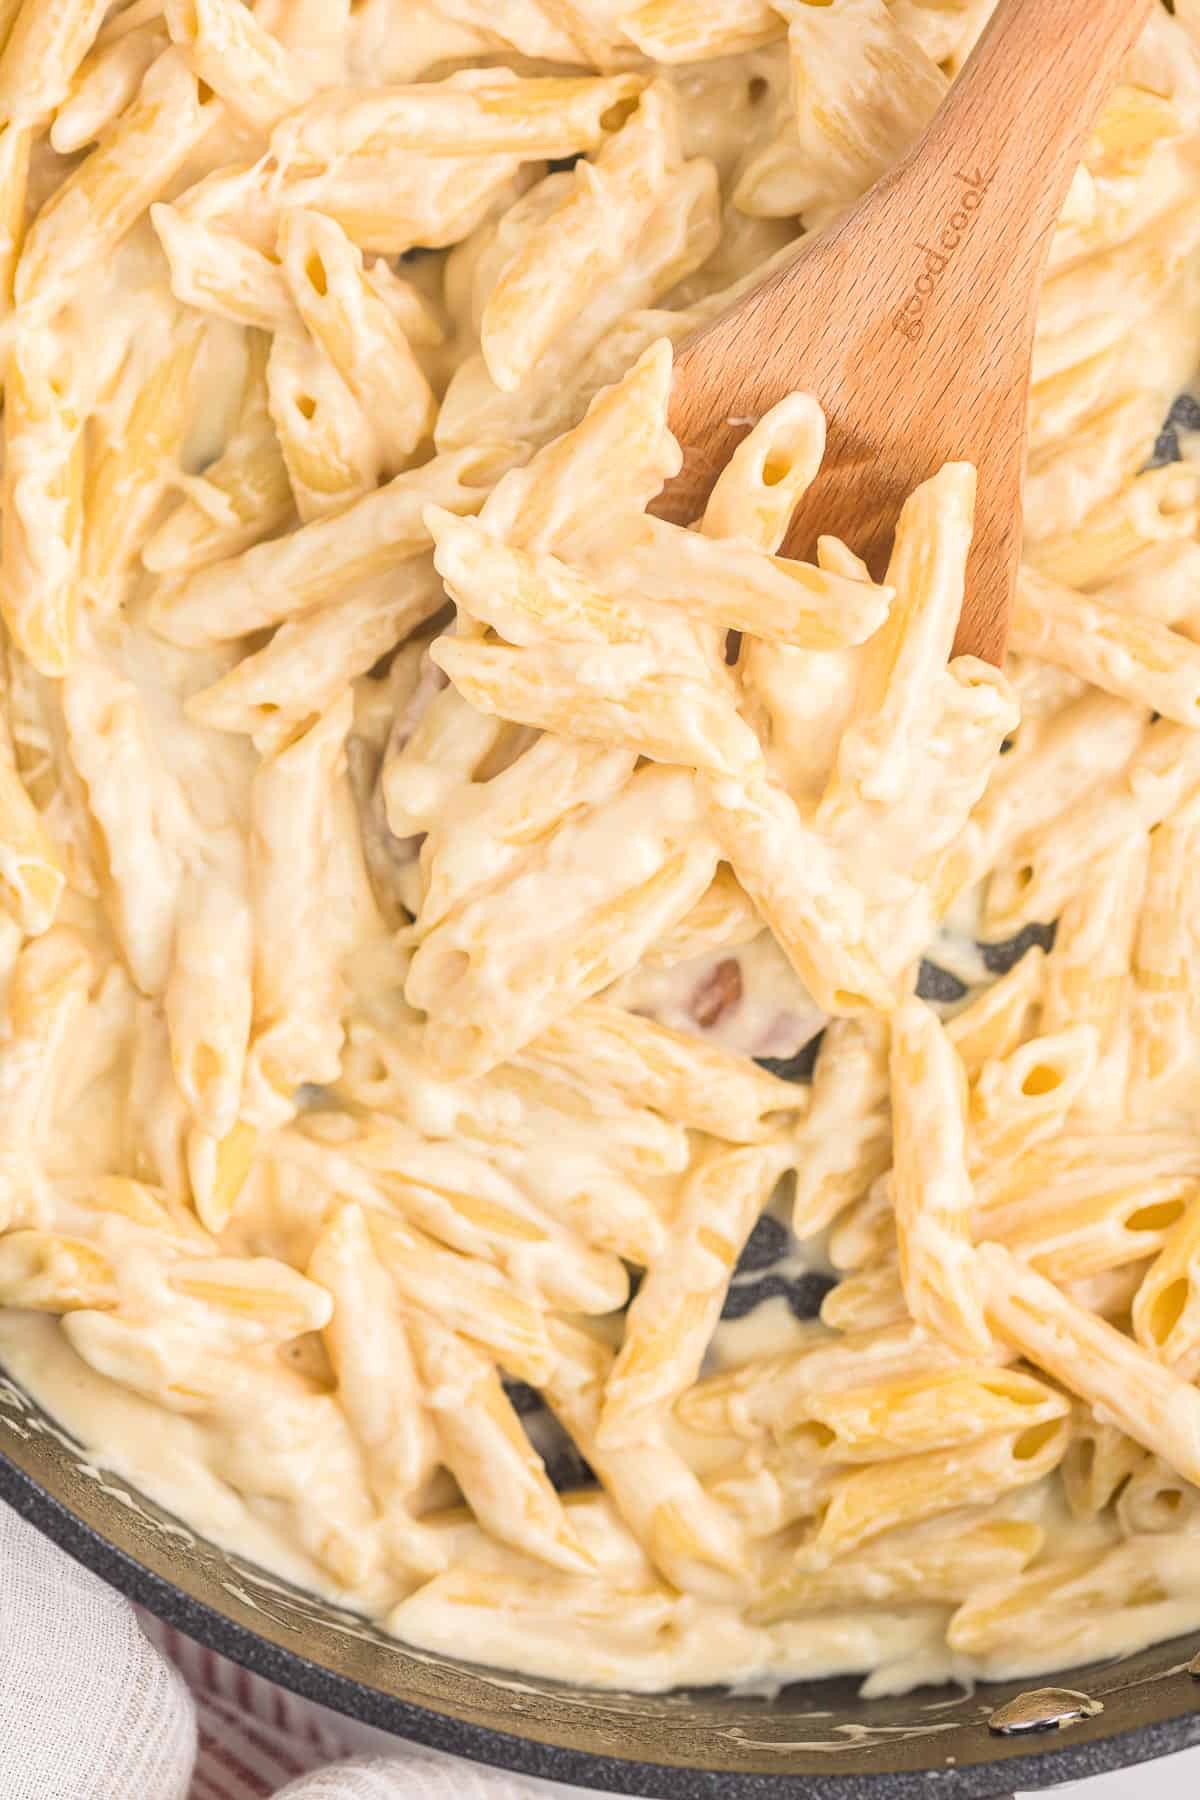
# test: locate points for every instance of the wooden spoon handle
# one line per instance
(1015, 124)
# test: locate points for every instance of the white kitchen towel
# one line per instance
(92, 1709)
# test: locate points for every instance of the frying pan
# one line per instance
(816, 1739)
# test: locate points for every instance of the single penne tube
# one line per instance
(1090, 1218)
(623, 1620)
(48, 991)
(1159, 584)
(1100, 1460)
(1109, 1292)
(485, 828)
(844, 1142)
(474, 113)
(1164, 953)
(154, 1120)
(387, 205)
(722, 919)
(274, 1434)
(1020, 1099)
(1166, 1309)
(671, 31)
(131, 800)
(644, 706)
(208, 999)
(622, 441)
(682, 1076)
(863, 1503)
(303, 918)
(1071, 329)
(434, 755)
(756, 493)
(822, 927)
(1089, 977)
(45, 43)
(230, 50)
(1052, 769)
(647, 1145)
(1105, 1368)
(359, 332)
(926, 574)
(1138, 660)
(32, 872)
(126, 481)
(844, 128)
(675, 1311)
(1153, 784)
(868, 1299)
(996, 1022)
(46, 1271)
(1155, 1499)
(279, 580)
(1080, 1163)
(902, 1415)
(1155, 508)
(1081, 1608)
(217, 1171)
(114, 185)
(41, 540)
(379, 1389)
(573, 235)
(683, 1530)
(762, 1394)
(1091, 1237)
(773, 1487)
(457, 1195)
(242, 497)
(248, 1299)
(311, 660)
(931, 1186)
(866, 1232)
(931, 1564)
(528, 597)
(487, 1451)
(464, 1295)
(103, 85)
(218, 272)
(328, 446)
(975, 709)
(15, 144)
(728, 584)
(596, 1199)
(603, 1189)
(496, 972)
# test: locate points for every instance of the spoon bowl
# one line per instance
(911, 318)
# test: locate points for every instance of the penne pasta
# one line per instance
(1154, 1406)
(931, 1187)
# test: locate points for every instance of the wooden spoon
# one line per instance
(911, 319)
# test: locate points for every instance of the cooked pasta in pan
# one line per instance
(578, 1084)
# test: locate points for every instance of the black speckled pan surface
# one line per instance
(819, 1741)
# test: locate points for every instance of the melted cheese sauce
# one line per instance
(171, 821)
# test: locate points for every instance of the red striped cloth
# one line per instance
(253, 1737)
